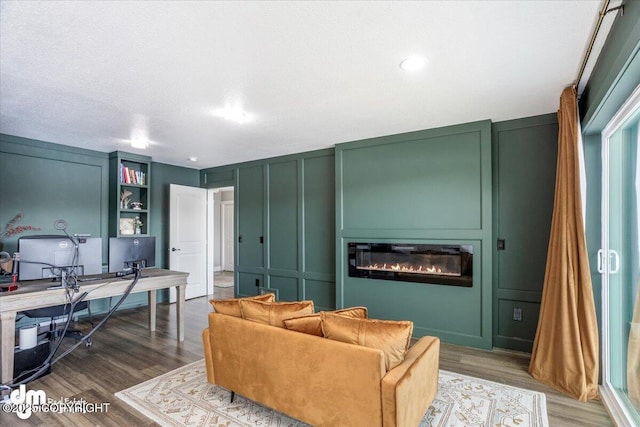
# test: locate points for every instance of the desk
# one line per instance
(34, 294)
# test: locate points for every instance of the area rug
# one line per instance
(184, 398)
(223, 281)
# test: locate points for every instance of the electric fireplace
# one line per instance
(424, 263)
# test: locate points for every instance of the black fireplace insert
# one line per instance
(424, 263)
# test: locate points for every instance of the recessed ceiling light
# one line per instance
(413, 63)
(234, 114)
(193, 159)
(141, 143)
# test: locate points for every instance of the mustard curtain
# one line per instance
(633, 356)
(565, 349)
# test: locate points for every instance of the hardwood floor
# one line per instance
(125, 353)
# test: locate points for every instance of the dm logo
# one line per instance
(136, 242)
(27, 400)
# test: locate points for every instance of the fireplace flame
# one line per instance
(410, 269)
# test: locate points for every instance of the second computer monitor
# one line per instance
(47, 256)
(129, 252)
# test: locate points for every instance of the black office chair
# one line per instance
(57, 311)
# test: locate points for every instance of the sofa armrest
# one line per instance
(409, 388)
(208, 357)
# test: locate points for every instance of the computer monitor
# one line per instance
(45, 257)
(127, 252)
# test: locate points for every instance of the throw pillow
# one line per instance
(274, 313)
(390, 336)
(313, 324)
(231, 306)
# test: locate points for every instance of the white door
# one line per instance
(188, 237)
(227, 236)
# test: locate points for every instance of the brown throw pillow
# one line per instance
(390, 336)
(231, 306)
(313, 324)
(274, 313)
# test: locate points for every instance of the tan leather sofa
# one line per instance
(317, 380)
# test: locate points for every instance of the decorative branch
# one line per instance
(12, 228)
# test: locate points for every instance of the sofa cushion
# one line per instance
(231, 306)
(390, 336)
(313, 324)
(274, 313)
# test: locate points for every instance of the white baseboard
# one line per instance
(217, 268)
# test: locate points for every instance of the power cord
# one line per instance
(48, 361)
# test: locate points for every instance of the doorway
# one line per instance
(222, 232)
(619, 263)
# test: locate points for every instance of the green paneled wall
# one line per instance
(524, 170)
(50, 181)
(283, 216)
(400, 185)
(616, 73)
(427, 186)
(319, 217)
(56, 181)
(289, 202)
(250, 219)
(431, 186)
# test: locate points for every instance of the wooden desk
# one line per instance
(35, 294)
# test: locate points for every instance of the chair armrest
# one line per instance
(208, 357)
(409, 388)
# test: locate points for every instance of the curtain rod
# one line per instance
(603, 11)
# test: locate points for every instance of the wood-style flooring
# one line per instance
(125, 353)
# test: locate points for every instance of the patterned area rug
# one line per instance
(223, 280)
(184, 398)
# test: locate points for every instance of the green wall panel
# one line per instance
(250, 196)
(283, 215)
(616, 73)
(408, 185)
(524, 153)
(247, 285)
(226, 176)
(319, 215)
(431, 186)
(52, 190)
(524, 195)
(58, 181)
(47, 182)
(321, 292)
(517, 334)
(289, 200)
(287, 287)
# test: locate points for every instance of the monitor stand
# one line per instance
(63, 281)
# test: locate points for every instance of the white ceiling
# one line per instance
(308, 75)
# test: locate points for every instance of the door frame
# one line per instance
(223, 237)
(211, 235)
(616, 407)
(172, 237)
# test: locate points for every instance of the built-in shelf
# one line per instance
(129, 184)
